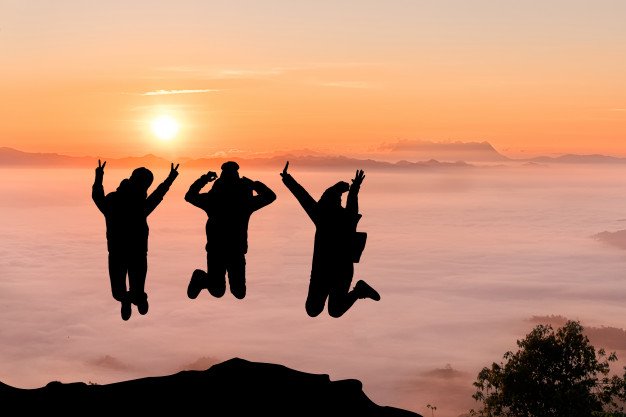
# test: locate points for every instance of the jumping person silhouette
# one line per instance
(337, 246)
(125, 211)
(228, 205)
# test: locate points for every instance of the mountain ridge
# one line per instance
(11, 157)
(233, 387)
(571, 158)
(446, 150)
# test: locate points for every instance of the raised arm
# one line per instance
(264, 197)
(157, 195)
(97, 190)
(352, 202)
(304, 198)
(193, 195)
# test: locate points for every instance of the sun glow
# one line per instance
(165, 127)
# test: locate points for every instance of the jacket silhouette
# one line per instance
(337, 246)
(228, 205)
(125, 211)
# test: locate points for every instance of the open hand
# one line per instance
(100, 169)
(284, 173)
(358, 177)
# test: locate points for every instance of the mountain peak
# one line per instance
(448, 151)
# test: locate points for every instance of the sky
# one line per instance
(532, 77)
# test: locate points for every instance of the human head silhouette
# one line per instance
(230, 172)
(142, 178)
(332, 196)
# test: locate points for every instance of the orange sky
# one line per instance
(529, 77)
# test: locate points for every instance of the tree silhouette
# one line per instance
(553, 374)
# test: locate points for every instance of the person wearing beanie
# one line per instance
(337, 246)
(228, 205)
(125, 211)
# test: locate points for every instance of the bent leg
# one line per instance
(216, 273)
(236, 267)
(117, 275)
(341, 298)
(316, 298)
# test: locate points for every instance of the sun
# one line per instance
(165, 127)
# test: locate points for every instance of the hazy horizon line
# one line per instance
(379, 149)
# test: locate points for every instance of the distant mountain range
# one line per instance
(13, 157)
(580, 159)
(10, 157)
(435, 155)
(233, 388)
(480, 152)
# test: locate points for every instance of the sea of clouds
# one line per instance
(467, 261)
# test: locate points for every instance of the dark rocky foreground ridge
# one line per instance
(233, 388)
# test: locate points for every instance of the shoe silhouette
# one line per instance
(196, 284)
(142, 307)
(126, 310)
(365, 291)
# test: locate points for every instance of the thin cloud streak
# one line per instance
(169, 92)
(271, 71)
(347, 84)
